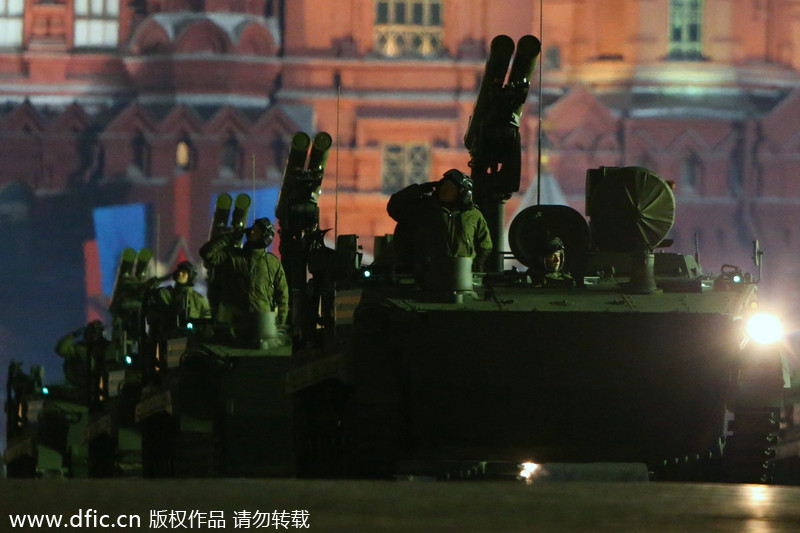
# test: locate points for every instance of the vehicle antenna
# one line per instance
(336, 193)
(158, 251)
(758, 257)
(539, 136)
(696, 248)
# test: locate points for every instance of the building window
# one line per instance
(141, 154)
(232, 158)
(404, 164)
(690, 173)
(11, 12)
(552, 57)
(96, 23)
(408, 27)
(185, 157)
(685, 29)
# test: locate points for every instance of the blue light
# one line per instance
(128, 359)
(737, 278)
(45, 390)
(367, 273)
(189, 325)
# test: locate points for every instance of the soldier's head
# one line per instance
(261, 232)
(94, 331)
(455, 187)
(185, 273)
(552, 253)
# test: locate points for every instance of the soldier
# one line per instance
(550, 271)
(76, 353)
(252, 280)
(442, 224)
(180, 302)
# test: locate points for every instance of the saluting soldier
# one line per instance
(438, 220)
(179, 302)
(76, 348)
(251, 279)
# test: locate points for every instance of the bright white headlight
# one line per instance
(764, 328)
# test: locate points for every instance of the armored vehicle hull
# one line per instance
(516, 373)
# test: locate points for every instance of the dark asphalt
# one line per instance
(411, 506)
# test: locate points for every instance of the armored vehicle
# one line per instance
(84, 426)
(625, 352)
(171, 395)
(588, 341)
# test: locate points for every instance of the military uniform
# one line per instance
(430, 230)
(182, 300)
(552, 280)
(548, 271)
(251, 279)
(76, 356)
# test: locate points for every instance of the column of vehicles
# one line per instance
(620, 352)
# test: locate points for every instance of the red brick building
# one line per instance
(168, 102)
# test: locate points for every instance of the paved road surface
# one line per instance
(406, 506)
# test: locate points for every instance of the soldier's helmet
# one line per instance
(187, 267)
(94, 330)
(266, 227)
(463, 182)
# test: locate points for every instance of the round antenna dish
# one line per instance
(631, 208)
(536, 225)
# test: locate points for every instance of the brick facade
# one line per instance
(102, 123)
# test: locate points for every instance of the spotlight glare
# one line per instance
(527, 471)
(764, 328)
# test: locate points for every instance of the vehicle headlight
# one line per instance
(528, 471)
(764, 328)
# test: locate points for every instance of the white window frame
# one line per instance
(686, 29)
(12, 13)
(96, 23)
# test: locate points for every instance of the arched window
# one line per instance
(185, 157)
(231, 161)
(685, 29)
(691, 173)
(408, 27)
(141, 153)
(11, 14)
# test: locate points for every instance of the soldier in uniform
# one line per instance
(438, 220)
(252, 280)
(549, 272)
(76, 353)
(179, 302)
